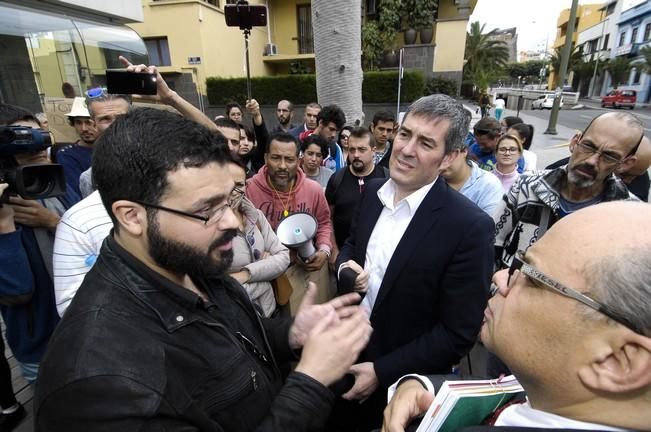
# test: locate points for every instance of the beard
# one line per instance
(579, 180)
(358, 166)
(280, 182)
(181, 258)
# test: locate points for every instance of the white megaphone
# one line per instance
(296, 231)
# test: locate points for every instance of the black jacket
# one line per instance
(135, 352)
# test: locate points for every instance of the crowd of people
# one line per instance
(164, 299)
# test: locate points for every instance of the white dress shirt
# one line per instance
(518, 415)
(388, 230)
(524, 415)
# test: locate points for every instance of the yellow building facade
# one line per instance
(190, 41)
(587, 15)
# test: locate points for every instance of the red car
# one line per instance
(620, 98)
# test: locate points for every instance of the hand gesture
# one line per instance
(333, 345)
(365, 382)
(310, 314)
(163, 93)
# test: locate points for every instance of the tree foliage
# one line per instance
(619, 69)
(485, 58)
(576, 56)
(372, 46)
(646, 65)
(389, 21)
(529, 70)
(419, 14)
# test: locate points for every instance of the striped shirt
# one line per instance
(79, 236)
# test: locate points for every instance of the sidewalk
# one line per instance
(548, 148)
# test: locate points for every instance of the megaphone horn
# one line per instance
(296, 231)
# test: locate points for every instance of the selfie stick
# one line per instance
(247, 32)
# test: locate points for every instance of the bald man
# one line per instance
(570, 318)
(636, 176)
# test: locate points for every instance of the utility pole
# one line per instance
(565, 59)
(601, 42)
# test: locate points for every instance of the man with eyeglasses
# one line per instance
(158, 337)
(536, 201)
(104, 108)
(570, 317)
(284, 114)
(83, 228)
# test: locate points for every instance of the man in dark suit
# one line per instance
(422, 253)
(571, 319)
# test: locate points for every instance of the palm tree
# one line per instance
(337, 48)
(646, 65)
(576, 57)
(619, 68)
(485, 58)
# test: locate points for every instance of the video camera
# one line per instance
(29, 181)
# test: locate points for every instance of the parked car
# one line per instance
(620, 98)
(545, 101)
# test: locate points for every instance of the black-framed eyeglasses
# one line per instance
(505, 150)
(213, 216)
(606, 158)
(538, 276)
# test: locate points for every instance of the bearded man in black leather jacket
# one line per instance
(157, 337)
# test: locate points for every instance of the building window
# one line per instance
(593, 46)
(159, 51)
(212, 2)
(622, 38)
(647, 32)
(637, 73)
(606, 40)
(634, 35)
(371, 7)
(304, 22)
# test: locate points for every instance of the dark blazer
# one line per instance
(431, 302)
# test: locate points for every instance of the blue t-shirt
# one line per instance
(566, 207)
(75, 159)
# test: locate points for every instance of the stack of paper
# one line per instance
(467, 403)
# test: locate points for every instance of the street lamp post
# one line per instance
(565, 58)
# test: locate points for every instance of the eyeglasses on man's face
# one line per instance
(607, 157)
(538, 278)
(209, 217)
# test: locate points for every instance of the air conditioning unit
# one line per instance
(270, 49)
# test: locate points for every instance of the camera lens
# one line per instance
(36, 182)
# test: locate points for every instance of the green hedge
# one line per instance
(378, 87)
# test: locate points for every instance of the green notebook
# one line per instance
(467, 403)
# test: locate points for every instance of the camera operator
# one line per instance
(26, 242)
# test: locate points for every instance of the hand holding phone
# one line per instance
(124, 82)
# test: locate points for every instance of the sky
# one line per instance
(535, 19)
